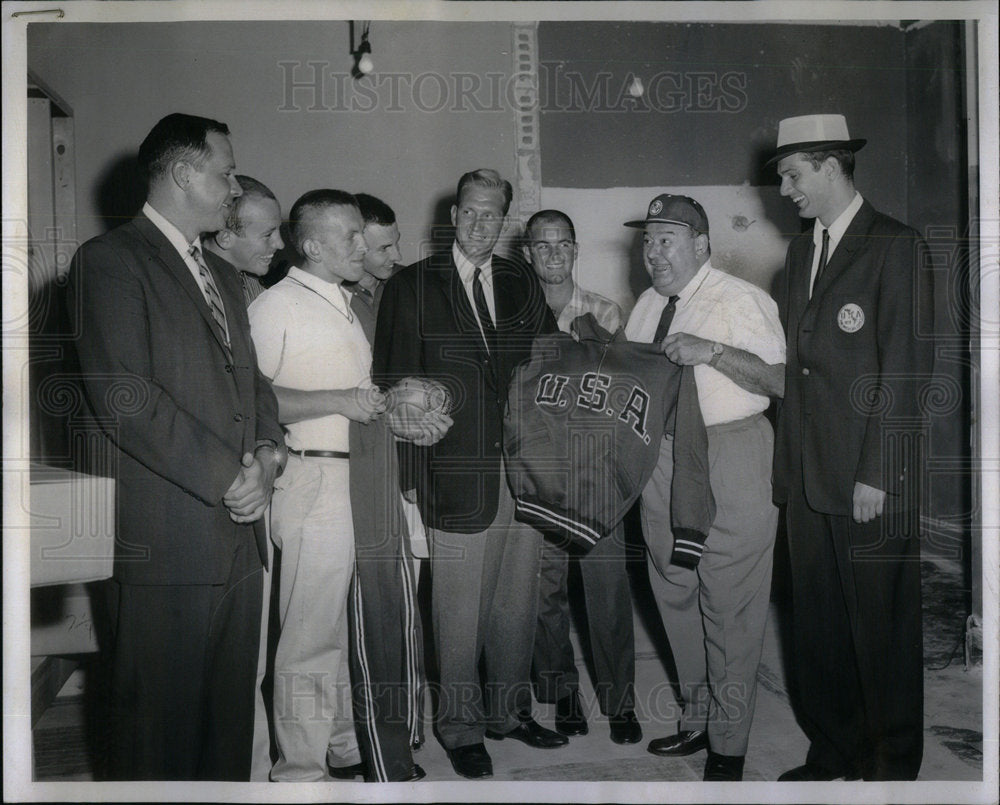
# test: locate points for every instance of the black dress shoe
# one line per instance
(685, 742)
(417, 774)
(723, 768)
(625, 728)
(472, 761)
(347, 772)
(810, 772)
(533, 734)
(570, 719)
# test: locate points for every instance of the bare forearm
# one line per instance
(749, 372)
(296, 405)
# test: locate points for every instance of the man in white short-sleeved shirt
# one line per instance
(314, 350)
(712, 598)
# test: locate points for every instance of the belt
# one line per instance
(319, 453)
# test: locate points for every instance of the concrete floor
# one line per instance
(592, 768)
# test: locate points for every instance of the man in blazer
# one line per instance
(857, 302)
(171, 374)
(466, 317)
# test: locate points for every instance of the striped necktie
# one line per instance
(212, 295)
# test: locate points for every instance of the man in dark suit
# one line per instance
(171, 374)
(857, 299)
(466, 317)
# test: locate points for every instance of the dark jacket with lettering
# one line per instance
(582, 436)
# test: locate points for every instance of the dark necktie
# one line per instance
(823, 254)
(667, 316)
(212, 295)
(483, 311)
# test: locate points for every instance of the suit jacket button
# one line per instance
(237, 417)
(496, 445)
(805, 371)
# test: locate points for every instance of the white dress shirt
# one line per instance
(718, 307)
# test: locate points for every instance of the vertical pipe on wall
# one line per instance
(527, 148)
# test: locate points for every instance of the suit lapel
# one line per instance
(445, 273)
(173, 264)
(855, 237)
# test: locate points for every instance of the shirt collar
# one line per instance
(467, 269)
(330, 291)
(694, 283)
(170, 232)
(838, 227)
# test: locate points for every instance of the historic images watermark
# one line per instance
(314, 86)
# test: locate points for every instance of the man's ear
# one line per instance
(527, 254)
(311, 251)
(180, 172)
(224, 239)
(701, 243)
(454, 215)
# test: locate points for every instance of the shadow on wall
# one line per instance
(120, 191)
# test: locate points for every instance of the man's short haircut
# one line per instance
(304, 212)
(251, 189)
(551, 217)
(844, 158)
(176, 137)
(489, 179)
(374, 210)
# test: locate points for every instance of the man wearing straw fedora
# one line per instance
(857, 298)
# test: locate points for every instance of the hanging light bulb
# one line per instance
(363, 62)
(636, 89)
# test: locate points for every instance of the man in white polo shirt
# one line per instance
(712, 598)
(313, 348)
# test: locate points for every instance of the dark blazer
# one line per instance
(426, 327)
(854, 383)
(180, 408)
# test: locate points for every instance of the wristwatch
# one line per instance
(717, 350)
(280, 453)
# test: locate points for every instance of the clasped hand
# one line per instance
(250, 492)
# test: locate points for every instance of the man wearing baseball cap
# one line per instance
(856, 298)
(713, 597)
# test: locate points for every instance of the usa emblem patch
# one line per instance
(851, 318)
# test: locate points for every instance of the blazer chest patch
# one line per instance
(850, 318)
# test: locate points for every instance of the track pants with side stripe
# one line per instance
(386, 638)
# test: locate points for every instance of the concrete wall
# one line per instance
(405, 134)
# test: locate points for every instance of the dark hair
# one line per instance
(374, 210)
(304, 211)
(844, 158)
(489, 179)
(176, 137)
(251, 189)
(548, 217)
